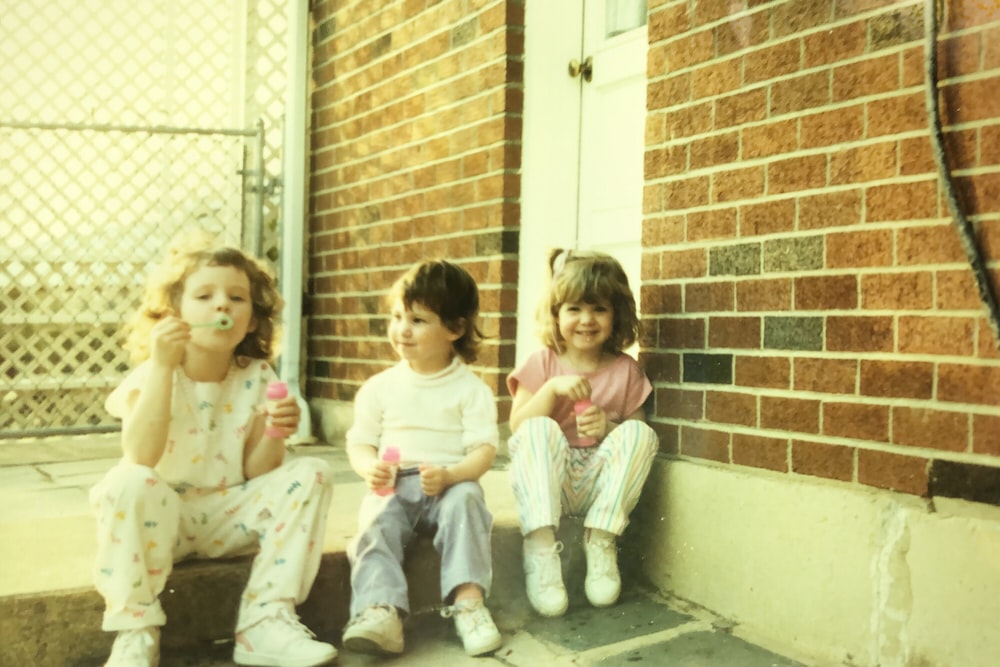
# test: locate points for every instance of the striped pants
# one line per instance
(551, 479)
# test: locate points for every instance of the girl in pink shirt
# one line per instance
(580, 443)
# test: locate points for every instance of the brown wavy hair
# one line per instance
(451, 293)
(165, 287)
(589, 277)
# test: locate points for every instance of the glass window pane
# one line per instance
(623, 15)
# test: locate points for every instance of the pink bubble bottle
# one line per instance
(391, 456)
(579, 408)
(276, 391)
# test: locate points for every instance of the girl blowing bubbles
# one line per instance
(595, 462)
(200, 476)
(443, 421)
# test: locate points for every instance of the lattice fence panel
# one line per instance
(121, 124)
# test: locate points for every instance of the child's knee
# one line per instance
(129, 482)
(310, 472)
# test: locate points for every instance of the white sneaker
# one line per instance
(377, 630)
(136, 648)
(603, 583)
(475, 626)
(543, 580)
(281, 641)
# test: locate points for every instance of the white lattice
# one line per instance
(120, 124)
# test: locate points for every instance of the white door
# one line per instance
(583, 140)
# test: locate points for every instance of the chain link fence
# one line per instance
(121, 124)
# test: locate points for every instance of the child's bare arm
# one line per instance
(365, 462)
(435, 480)
(527, 404)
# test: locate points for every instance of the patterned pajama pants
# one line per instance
(550, 478)
(144, 526)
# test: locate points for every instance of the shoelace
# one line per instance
(471, 615)
(292, 621)
(374, 614)
(546, 562)
(601, 558)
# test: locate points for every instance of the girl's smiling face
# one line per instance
(586, 326)
(420, 338)
(211, 291)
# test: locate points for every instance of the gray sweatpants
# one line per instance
(387, 523)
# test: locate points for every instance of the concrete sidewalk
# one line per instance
(50, 615)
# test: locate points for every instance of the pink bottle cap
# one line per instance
(581, 406)
(277, 389)
(390, 454)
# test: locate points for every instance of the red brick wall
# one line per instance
(415, 154)
(809, 306)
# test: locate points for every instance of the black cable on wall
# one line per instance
(967, 233)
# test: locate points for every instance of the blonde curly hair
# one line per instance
(165, 287)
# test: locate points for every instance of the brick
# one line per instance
(823, 460)
(734, 332)
(769, 217)
(663, 230)
(731, 408)
(827, 128)
(760, 452)
(844, 42)
(826, 293)
(897, 379)
(794, 174)
(895, 472)
(915, 157)
(793, 254)
(660, 299)
(716, 78)
(705, 297)
(740, 108)
(986, 434)
(960, 383)
(930, 429)
(764, 295)
(691, 49)
(686, 193)
(900, 26)
(667, 161)
(859, 249)
(961, 148)
(970, 101)
(773, 138)
(826, 210)
(859, 334)
(902, 201)
(978, 193)
(989, 346)
(865, 78)
(680, 404)
(772, 61)
(684, 334)
(956, 290)
(705, 444)
(713, 150)
(689, 120)
(738, 184)
(670, 90)
(662, 367)
(670, 438)
(770, 372)
(789, 414)
(739, 260)
(717, 223)
(740, 33)
(682, 263)
(936, 335)
(800, 16)
(860, 164)
(793, 333)
(898, 291)
(707, 368)
(858, 421)
(808, 91)
(895, 115)
(829, 376)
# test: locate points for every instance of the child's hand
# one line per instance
(284, 415)
(378, 475)
(434, 480)
(573, 387)
(168, 340)
(592, 422)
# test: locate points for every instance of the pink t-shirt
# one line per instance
(620, 388)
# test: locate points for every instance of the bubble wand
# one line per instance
(222, 322)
